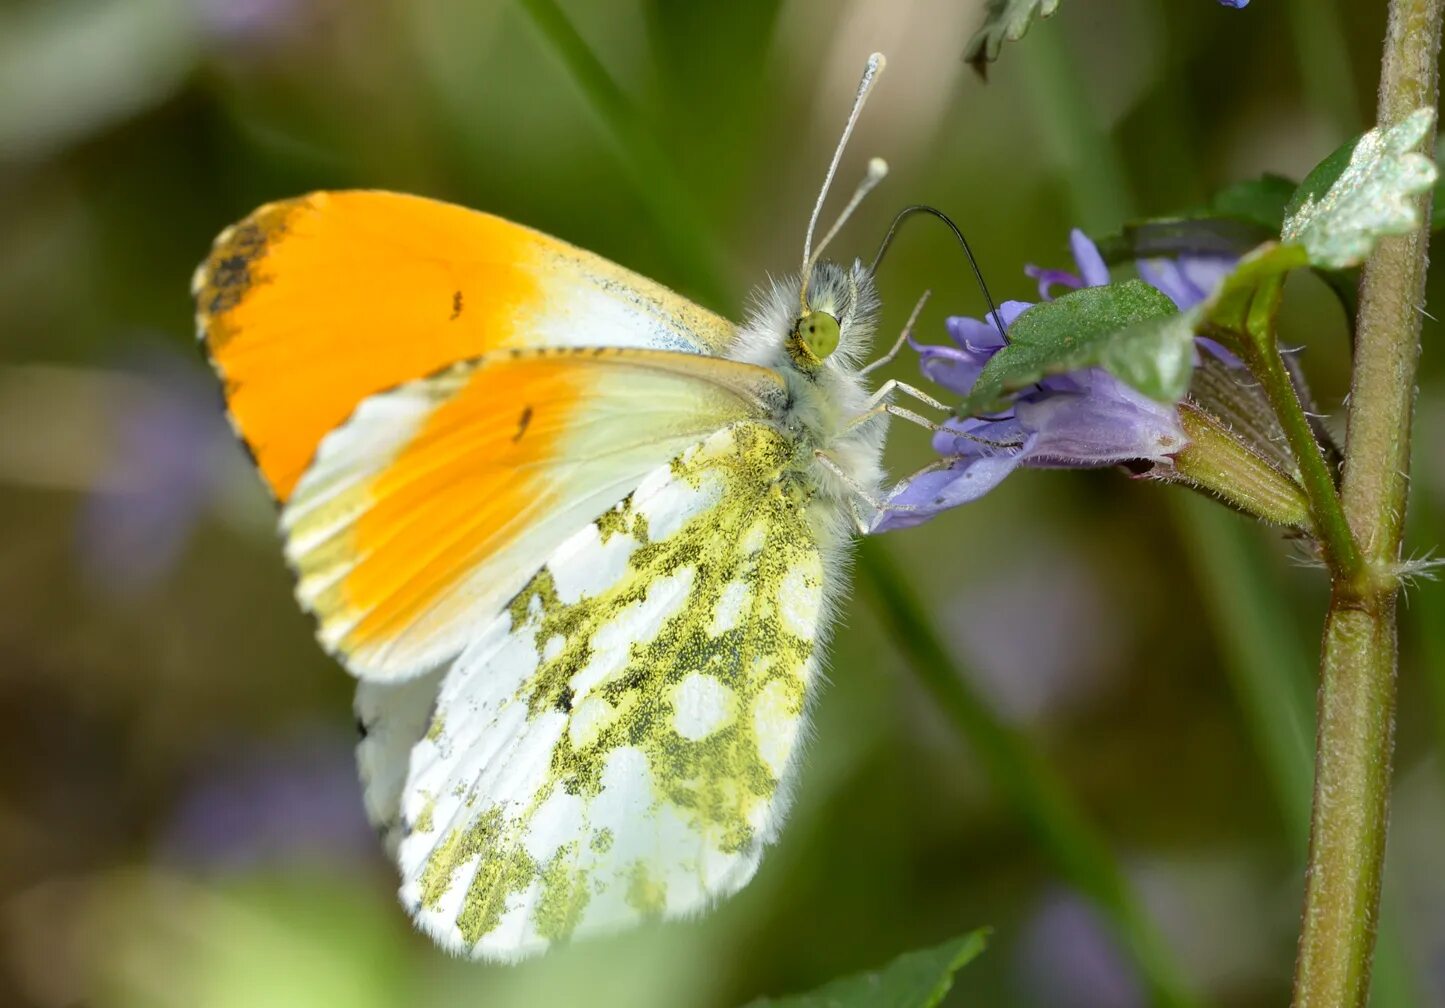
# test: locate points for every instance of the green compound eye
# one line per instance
(819, 333)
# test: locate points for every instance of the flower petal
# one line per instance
(1092, 268)
(979, 436)
(1187, 280)
(950, 367)
(982, 334)
(1107, 422)
(1049, 278)
(940, 489)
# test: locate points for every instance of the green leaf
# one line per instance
(914, 980)
(1155, 356)
(1005, 20)
(1168, 237)
(1238, 218)
(1095, 326)
(1260, 201)
(1362, 192)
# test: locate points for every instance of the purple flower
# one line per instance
(1067, 958)
(161, 475)
(1236, 4)
(1081, 419)
(272, 802)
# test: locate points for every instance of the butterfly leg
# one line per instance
(891, 410)
(831, 464)
(902, 338)
(894, 385)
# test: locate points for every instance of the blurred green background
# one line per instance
(179, 819)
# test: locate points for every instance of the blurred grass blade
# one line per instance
(675, 213)
(1322, 58)
(1017, 769)
(1269, 671)
(72, 68)
(918, 979)
(711, 89)
(1423, 614)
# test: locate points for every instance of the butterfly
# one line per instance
(578, 539)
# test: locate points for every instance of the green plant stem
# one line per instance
(1355, 742)
(1071, 133)
(1014, 765)
(1263, 357)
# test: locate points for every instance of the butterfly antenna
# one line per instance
(870, 75)
(909, 211)
(877, 171)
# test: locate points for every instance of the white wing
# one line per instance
(619, 744)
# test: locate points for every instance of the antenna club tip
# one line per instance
(877, 61)
(877, 169)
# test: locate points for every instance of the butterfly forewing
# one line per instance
(309, 305)
(437, 501)
(617, 744)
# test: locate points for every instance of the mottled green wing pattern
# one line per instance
(618, 745)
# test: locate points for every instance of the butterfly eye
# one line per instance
(819, 332)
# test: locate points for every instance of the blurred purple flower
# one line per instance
(253, 22)
(162, 474)
(1237, 4)
(273, 803)
(1068, 959)
(1081, 419)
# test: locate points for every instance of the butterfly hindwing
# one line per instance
(617, 745)
(437, 501)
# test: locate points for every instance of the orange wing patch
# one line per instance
(310, 305)
(456, 491)
(434, 504)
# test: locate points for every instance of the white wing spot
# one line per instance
(612, 644)
(729, 608)
(589, 717)
(753, 541)
(701, 705)
(553, 647)
(775, 725)
(668, 509)
(798, 602)
(585, 565)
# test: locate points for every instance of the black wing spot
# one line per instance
(230, 270)
(564, 700)
(362, 728)
(456, 306)
(522, 423)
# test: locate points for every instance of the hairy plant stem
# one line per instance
(1355, 740)
(1261, 351)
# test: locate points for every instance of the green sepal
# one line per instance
(1128, 327)
(918, 979)
(1223, 463)
(1228, 307)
